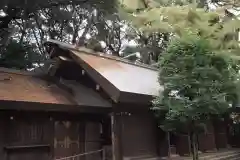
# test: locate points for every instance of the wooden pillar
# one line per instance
(2, 135)
(116, 137)
(92, 140)
(50, 136)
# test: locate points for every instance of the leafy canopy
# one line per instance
(20, 56)
(220, 30)
(80, 22)
(198, 84)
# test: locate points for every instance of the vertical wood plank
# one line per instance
(116, 137)
(51, 131)
(2, 135)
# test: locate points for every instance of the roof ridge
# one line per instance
(99, 54)
(111, 57)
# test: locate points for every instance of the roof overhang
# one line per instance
(46, 92)
(116, 94)
(49, 107)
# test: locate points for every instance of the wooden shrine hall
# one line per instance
(87, 101)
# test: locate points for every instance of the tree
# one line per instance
(143, 4)
(60, 16)
(34, 22)
(199, 86)
(19, 56)
(221, 32)
(170, 18)
(15, 9)
(148, 46)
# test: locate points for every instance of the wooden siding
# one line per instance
(139, 135)
(44, 136)
(220, 130)
(27, 136)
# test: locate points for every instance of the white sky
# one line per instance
(2, 13)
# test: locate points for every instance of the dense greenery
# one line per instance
(93, 23)
(19, 56)
(222, 32)
(199, 85)
(33, 22)
(162, 20)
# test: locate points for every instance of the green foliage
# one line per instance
(132, 5)
(171, 18)
(198, 84)
(140, 4)
(179, 20)
(19, 56)
(33, 22)
(149, 47)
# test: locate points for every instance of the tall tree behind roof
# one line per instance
(33, 21)
(179, 19)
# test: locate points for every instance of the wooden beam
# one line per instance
(47, 146)
(2, 128)
(116, 137)
(47, 107)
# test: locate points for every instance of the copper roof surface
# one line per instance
(121, 73)
(125, 77)
(26, 88)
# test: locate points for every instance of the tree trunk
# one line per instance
(75, 34)
(194, 146)
(81, 40)
(22, 36)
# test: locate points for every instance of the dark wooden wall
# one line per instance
(221, 137)
(47, 135)
(75, 137)
(2, 134)
(139, 135)
(207, 140)
(25, 136)
(183, 145)
(214, 138)
(68, 138)
(137, 132)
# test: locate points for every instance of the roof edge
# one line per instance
(112, 91)
(98, 54)
(17, 72)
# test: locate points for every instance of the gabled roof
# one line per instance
(122, 80)
(22, 86)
